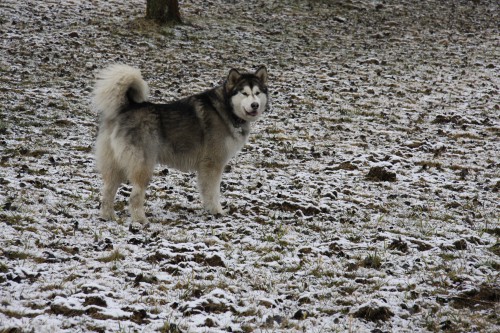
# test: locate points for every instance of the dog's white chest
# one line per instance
(234, 145)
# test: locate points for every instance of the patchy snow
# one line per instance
(366, 200)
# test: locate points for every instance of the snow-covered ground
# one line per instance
(367, 199)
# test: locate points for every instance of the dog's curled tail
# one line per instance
(116, 87)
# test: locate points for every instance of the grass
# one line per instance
(53, 286)
(451, 320)
(17, 255)
(18, 315)
(112, 257)
(372, 261)
(3, 127)
(12, 219)
(170, 328)
(495, 249)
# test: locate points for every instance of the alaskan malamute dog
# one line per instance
(198, 133)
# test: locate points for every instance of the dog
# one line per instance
(198, 133)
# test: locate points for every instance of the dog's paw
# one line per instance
(215, 209)
(108, 215)
(139, 216)
(220, 213)
(143, 220)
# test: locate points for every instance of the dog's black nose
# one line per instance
(254, 105)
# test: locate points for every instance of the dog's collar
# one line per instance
(238, 122)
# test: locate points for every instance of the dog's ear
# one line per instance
(232, 78)
(261, 74)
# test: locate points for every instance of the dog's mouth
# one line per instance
(252, 113)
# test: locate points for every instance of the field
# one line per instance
(366, 200)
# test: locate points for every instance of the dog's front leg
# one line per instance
(209, 178)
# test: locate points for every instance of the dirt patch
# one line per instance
(374, 312)
(398, 244)
(381, 174)
(483, 297)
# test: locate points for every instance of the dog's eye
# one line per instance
(244, 93)
(257, 93)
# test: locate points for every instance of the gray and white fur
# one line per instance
(198, 133)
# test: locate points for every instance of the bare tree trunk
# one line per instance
(163, 11)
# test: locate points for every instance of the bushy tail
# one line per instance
(116, 86)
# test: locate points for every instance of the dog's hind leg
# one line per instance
(209, 178)
(112, 180)
(140, 178)
(112, 174)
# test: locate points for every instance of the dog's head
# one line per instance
(247, 93)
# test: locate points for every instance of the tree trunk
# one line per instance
(163, 11)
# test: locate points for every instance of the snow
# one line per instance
(309, 241)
